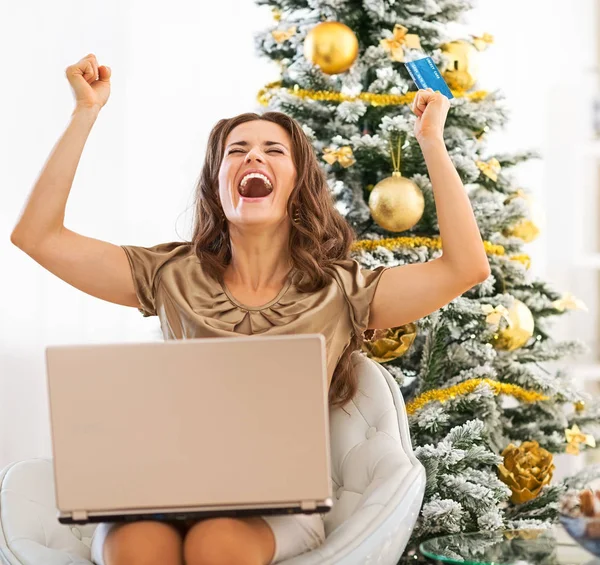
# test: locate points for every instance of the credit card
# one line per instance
(426, 75)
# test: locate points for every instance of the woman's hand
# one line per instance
(431, 109)
(90, 83)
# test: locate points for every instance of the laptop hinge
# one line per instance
(308, 505)
(79, 515)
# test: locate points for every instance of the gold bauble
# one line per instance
(331, 45)
(526, 470)
(386, 345)
(462, 71)
(396, 203)
(519, 330)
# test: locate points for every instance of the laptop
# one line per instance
(193, 428)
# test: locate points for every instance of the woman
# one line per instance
(269, 254)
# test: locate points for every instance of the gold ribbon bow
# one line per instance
(343, 155)
(519, 193)
(575, 437)
(495, 314)
(281, 35)
(482, 42)
(489, 169)
(569, 302)
(395, 45)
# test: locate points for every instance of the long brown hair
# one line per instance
(319, 237)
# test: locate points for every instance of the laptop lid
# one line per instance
(200, 426)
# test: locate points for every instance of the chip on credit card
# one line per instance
(426, 75)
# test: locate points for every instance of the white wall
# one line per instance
(176, 71)
(175, 74)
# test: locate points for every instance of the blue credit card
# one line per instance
(426, 75)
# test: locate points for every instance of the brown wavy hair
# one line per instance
(320, 236)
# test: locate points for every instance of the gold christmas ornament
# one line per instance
(343, 155)
(526, 470)
(575, 437)
(276, 14)
(386, 345)
(331, 45)
(520, 328)
(396, 203)
(395, 45)
(579, 406)
(482, 42)
(462, 71)
(283, 35)
(491, 169)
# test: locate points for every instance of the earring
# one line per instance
(296, 217)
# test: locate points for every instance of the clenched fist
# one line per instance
(90, 82)
(431, 109)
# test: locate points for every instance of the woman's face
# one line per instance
(264, 147)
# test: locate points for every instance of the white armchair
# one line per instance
(378, 488)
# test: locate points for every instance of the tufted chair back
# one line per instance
(366, 444)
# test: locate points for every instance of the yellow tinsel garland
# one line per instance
(264, 95)
(431, 242)
(525, 259)
(444, 394)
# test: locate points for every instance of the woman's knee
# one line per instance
(229, 541)
(145, 542)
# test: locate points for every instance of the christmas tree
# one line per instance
(479, 400)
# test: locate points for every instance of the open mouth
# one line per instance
(255, 185)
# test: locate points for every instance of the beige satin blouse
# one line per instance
(170, 283)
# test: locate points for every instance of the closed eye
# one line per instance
(240, 151)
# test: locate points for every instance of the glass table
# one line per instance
(508, 547)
